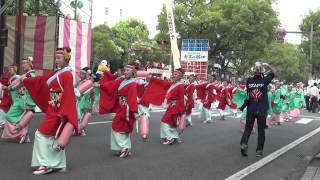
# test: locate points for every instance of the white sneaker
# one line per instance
(124, 153)
(27, 139)
(42, 170)
(83, 133)
(168, 141)
(22, 139)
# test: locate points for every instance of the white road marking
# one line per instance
(213, 114)
(314, 117)
(102, 122)
(304, 121)
(160, 110)
(253, 167)
(156, 108)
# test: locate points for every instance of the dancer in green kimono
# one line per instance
(285, 90)
(240, 95)
(292, 92)
(298, 101)
(21, 111)
(278, 103)
(84, 101)
(270, 101)
(238, 99)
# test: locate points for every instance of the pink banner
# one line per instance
(76, 35)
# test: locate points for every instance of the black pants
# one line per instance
(313, 104)
(307, 98)
(261, 120)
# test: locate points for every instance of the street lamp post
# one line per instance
(281, 33)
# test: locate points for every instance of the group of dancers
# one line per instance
(129, 94)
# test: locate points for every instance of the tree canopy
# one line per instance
(126, 42)
(312, 18)
(288, 61)
(238, 31)
(30, 8)
(104, 46)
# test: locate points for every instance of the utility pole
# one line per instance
(37, 4)
(91, 58)
(311, 47)
(2, 38)
(75, 9)
(19, 35)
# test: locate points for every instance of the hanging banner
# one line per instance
(194, 56)
(198, 56)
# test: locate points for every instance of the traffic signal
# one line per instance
(162, 42)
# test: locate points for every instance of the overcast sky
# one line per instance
(290, 12)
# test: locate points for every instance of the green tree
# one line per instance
(131, 30)
(313, 18)
(288, 61)
(161, 52)
(238, 31)
(30, 8)
(150, 51)
(104, 47)
(126, 33)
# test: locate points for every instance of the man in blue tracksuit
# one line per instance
(257, 106)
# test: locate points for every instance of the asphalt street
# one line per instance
(208, 151)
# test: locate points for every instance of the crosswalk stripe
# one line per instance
(304, 121)
(314, 117)
(160, 110)
(102, 122)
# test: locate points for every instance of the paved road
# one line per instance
(208, 151)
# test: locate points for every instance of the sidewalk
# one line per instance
(313, 170)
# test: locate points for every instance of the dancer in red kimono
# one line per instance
(190, 88)
(225, 99)
(201, 94)
(121, 98)
(143, 106)
(6, 101)
(208, 98)
(61, 114)
(173, 93)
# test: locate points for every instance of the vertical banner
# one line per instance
(173, 34)
(38, 41)
(76, 35)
